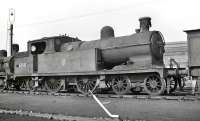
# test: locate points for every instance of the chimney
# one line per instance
(145, 24)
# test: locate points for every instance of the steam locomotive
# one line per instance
(123, 64)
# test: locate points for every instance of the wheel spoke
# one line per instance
(53, 84)
(153, 85)
(121, 84)
(84, 84)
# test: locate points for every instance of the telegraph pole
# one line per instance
(11, 21)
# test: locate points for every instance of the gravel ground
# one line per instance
(9, 114)
(17, 117)
(133, 109)
(13, 117)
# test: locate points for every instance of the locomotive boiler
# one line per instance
(133, 62)
(143, 49)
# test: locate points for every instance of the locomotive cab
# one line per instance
(46, 46)
(38, 48)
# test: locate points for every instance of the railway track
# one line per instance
(176, 96)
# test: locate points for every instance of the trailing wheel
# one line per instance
(20, 84)
(86, 83)
(154, 85)
(121, 84)
(53, 84)
(23, 84)
(2, 84)
(10, 85)
(31, 85)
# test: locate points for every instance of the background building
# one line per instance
(178, 51)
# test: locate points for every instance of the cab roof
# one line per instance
(56, 37)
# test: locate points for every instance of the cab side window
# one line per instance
(38, 47)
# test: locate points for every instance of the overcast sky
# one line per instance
(84, 18)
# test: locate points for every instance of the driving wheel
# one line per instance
(86, 83)
(154, 85)
(53, 84)
(121, 84)
(31, 85)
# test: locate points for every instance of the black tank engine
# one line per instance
(123, 64)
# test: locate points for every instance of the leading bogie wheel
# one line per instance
(121, 84)
(86, 83)
(154, 85)
(2, 84)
